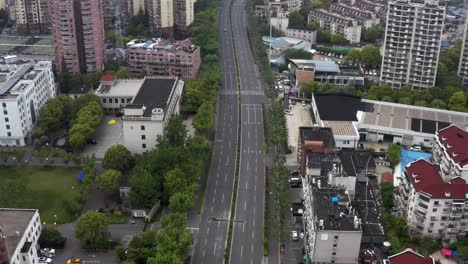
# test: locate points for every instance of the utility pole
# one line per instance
(271, 27)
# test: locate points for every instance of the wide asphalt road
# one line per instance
(247, 240)
(211, 239)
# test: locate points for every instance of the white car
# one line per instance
(45, 260)
(303, 103)
(416, 148)
(294, 235)
(287, 112)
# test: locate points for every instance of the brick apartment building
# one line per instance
(164, 58)
(78, 35)
(32, 16)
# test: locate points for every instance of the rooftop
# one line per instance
(327, 106)
(121, 88)
(318, 65)
(108, 78)
(355, 163)
(342, 128)
(15, 79)
(455, 141)
(13, 223)
(80, 88)
(154, 93)
(409, 256)
(425, 178)
(162, 44)
(317, 134)
(407, 117)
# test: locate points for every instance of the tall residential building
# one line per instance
(20, 230)
(184, 16)
(78, 35)
(109, 12)
(164, 58)
(24, 90)
(161, 16)
(32, 16)
(412, 43)
(463, 65)
(135, 6)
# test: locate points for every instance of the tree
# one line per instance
(420, 103)
(338, 39)
(457, 102)
(370, 56)
(194, 95)
(91, 228)
(204, 119)
(373, 33)
(439, 104)
(51, 237)
(111, 37)
(175, 180)
(462, 252)
(296, 20)
(175, 132)
(387, 195)
(353, 55)
(405, 100)
(109, 181)
(4, 21)
(393, 155)
(85, 100)
(141, 247)
(84, 129)
(118, 158)
(77, 141)
(182, 202)
(297, 54)
(122, 74)
(174, 237)
(145, 189)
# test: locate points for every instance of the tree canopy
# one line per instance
(297, 54)
(109, 181)
(117, 158)
(92, 228)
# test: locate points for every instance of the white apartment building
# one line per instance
(337, 24)
(412, 43)
(20, 230)
(24, 90)
(432, 206)
(450, 151)
(305, 34)
(463, 64)
(365, 18)
(146, 117)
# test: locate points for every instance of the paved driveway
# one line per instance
(106, 137)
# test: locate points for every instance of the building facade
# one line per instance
(337, 24)
(412, 43)
(78, 35)
(463, 64)
(135, 6)
(450, 151)
(365, 18)
(20, 230)
(161, 16)
(305, 34)
(432, 206)
(32, 16)
(24, 92)
(146, 117)
(164, 58)
(184, 16)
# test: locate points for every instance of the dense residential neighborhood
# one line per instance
(257, 131)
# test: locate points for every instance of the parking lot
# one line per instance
(106, 136)
(300, 116)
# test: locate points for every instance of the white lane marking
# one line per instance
(242, 250)
(222, 199)
(214, 249)
(245, 205)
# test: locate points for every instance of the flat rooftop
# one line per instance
(337, 107)
(13, 220)
(154, 93)
(357, 162)
(407, 117)
(121, 88)
(322, 134)
(342, 128)
(15, 78)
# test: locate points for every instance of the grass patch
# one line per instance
(118, 217)
(54, 191)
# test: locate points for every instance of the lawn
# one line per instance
(54, 191)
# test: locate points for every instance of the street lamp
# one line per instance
(55, 220)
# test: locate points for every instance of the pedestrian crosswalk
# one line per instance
(235, 92)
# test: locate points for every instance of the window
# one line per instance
(122, 100)
(6, 119)
(9, 134)
(4, 104)
(443, 218)
(104, 100)
(7, 126)
(434, 210)
(431, 224)
(116, 100)
(433, 218)
(5, 112)
(142, 127)
(436, 203)
(143, 146)
(143, 137)
(346, 142)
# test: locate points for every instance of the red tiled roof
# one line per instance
(108, 78)
(408, 256)
(425, 178)
(457, 180)
(455, 141)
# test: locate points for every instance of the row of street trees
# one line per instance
(369, 56)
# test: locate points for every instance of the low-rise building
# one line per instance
(365, 18)
(305, 71)
(25, 87)
(277, 46)
(115, 93)
(304, 33)
(337, 24)
(408, 256)
(377, 6)
(433, 207)
(163, 58)
(313, 139)
(450, 151)
(146, 117)
(80, 89)
(20, 230)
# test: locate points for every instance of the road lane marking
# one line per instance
(208, 230)
(214, 249)
(242, 250)
(222, 199)
(245, 205)
(211, 209)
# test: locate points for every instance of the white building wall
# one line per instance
(280, 23)
(307, 35)
(167, 13)
(31, 234)
(353, 33)
(140, 135)
(346, 141)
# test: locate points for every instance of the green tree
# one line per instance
(109, 181)
(145, 189)
(182, 202)
(84, 129)
(204, 119)
(77, 141)
(373, 33)
(462, 252)
(297, 54)
(85, 100)
(4, 20)
(439, 104)
(117, 158)
(393, 155)
(194, 95)
(141, 247)
(420, 103)
(175, 180)
(175, 132)
(91, 228)
(370, 56)
(122, 74)
(296, 20)
(457, 102)
(338, 39)
(353, 55)
(405, 100)
(173, 239)
(387, 195)
(111, 37)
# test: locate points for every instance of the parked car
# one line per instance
(294, 235)
(295, 173)
(303, 103)
(45, 260)
(416, 148)
(288, 112)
